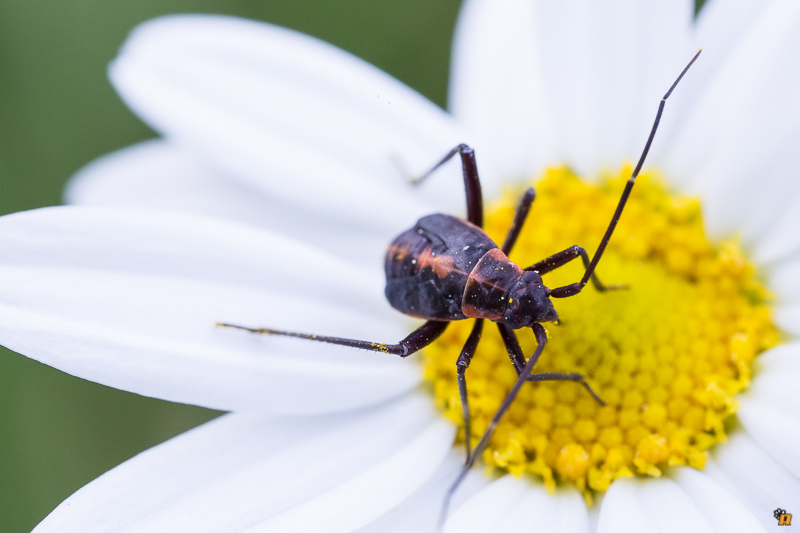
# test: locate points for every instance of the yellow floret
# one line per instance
(667, 354)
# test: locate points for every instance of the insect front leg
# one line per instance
(472, 183)
(462, 364)
(517, 357)
(512, 347)
(563, 257)
(415, 341)
(567, 376)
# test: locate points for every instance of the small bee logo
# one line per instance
(783, 518)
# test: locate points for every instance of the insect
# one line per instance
(445, 269)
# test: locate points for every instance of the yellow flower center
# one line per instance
(667, 354)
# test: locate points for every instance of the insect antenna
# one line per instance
(560, 292)
(575, 288)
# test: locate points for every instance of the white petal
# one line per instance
(756, 479)
(620, 510)
(719, 27)
(784, 276)
(787, 317)
(161, 175)
(631, 504)
(243, 470)
(774, 427)
(421, 511)
(779, 359)
(289, 114)
(170, 244)
(606, 68)
(130, 299)
(562, 512)
(748, 192)
(513, 504)
(485, 509)
(497, 88)
(594, 511)
(725, 512)
(664, 39)
(746, 183)
(779, 240)
(720, 24)
(741, 83)
(369, 495)
(777, 372)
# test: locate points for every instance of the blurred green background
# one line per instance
(57, 113)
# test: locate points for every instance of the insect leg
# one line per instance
(461, 367)
(516, 355)
(472, 183)
(570, 376)
(519, 219)
(415, 341)
(541, 339)
(512, 347)
(565, 256)
(575, 288)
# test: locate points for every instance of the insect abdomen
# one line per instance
(427, 267)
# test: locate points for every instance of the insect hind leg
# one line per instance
(472, 183)
(415, 341)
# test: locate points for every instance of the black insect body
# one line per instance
(446, 269)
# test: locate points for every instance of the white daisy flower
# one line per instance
(293, 142)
